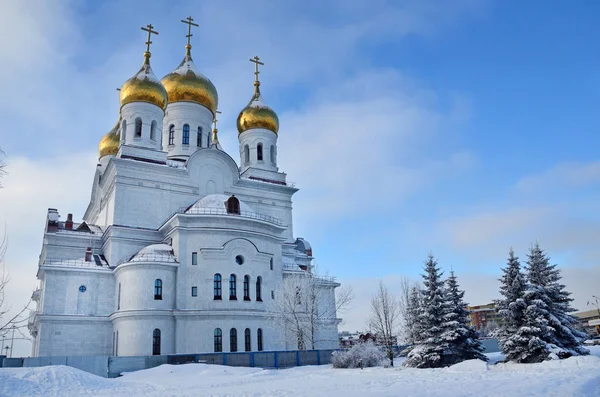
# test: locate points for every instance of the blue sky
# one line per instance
(460, 128)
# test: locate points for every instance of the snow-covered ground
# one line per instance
(576, 376)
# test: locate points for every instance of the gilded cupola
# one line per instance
(187, 84)
(256, 114)
(109, 144)
(144, 86)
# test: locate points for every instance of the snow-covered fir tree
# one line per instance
(412, 321)
(429, 348)
(549, 308)
(513, 342)
(461, 339)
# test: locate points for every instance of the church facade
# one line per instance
(180, 249)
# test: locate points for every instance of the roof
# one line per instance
(155, 253)
(214, 201)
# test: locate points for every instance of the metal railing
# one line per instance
(223, 211)
(297, 269)
(71, 262)
(150, 257)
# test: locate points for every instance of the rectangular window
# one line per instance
(271, 264)
(194, 258)
(272, 294)
(194, 291)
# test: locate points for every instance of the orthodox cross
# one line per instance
(190, 23)
(256, 61)
(148, 29)
(215, 119)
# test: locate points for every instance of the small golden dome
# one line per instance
(109, 144)
(186, 83)
(144, 87)
(257, 115)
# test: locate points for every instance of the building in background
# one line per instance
(483, 317)
(589, 321)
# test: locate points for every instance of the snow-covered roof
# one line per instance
(215, 201)
(155, 253)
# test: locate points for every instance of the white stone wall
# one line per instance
(150, 115)
(74, 336)
(135, 330)
(195, 115)
(137, 286)
(252, 138)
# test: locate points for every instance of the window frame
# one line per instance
(171, 135)
(233, 340)
(138, 128)
(218, 340)
(259, 339)
(185, 136)
(259, 152)
(247, 340)
(194, 259)
(232, 287)
(194, 291)
(247, 288)
(199, 137)
(217, 287)
(158, 289)
(156, 342)
(259, 289)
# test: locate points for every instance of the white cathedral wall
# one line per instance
(148, 113)
(61, 293)
(253, 138)
(75, 336)
(192, 114)
(135, 332)
(137, 286)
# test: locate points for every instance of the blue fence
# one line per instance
(111, 367)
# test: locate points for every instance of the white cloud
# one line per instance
(562, 176)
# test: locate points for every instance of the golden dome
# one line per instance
(186, 83)
(257, 115)
(109, 144)
(144, 87)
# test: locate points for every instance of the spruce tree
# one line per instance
(429, 349)
(512, 310)
(549, 306)
(413, 327)
(460, 339)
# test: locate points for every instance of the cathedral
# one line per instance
(180, 249)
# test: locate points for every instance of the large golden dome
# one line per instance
(257, 115)
(109, 144)
(144, 87)
(186, 83)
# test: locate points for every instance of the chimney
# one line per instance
(88, 253)
(52, 220)
(69, 222)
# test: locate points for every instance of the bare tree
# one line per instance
(384, 318)
(406, 287)
(305, 303)
(2, 167)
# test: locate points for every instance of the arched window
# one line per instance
(246, 288)
(171, 134)
(218, 340)
(271, 263)
(247, 341)
(259, 339)
(233, 340)
(138, 127)
(199, 137)
(217, 286)
(119, 298)
(232, 288)
(259, 152)
(246, 154)
(123, 130)
(258, 289)
(233, 205)
(158, 289)
(273, 154)
(156, 342)
(186, 135)
(153, 130)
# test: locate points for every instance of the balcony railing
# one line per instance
(297, 269)
(223, 211)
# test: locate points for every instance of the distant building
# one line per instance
(482, 315)
(589, 321)
(348, 339)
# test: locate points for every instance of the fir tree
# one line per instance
(549, 308)
(429, 349)
(413, 327)
(512, 307)
(461, 340)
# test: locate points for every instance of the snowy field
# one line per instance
(577, 376)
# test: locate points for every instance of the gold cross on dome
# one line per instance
(190, 22)
(257, 62)
(148, 29)
(215, 119)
